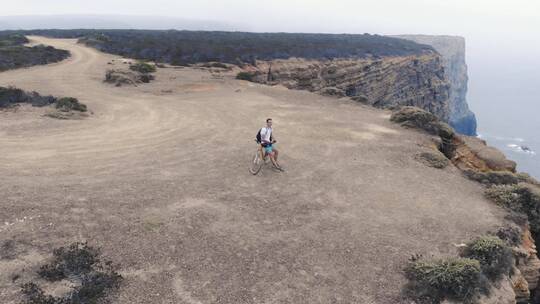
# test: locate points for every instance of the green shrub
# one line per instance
(504, 195)
(215, 65)
(13, 39)
(452, 278)
(230, 47)
(246, 76)
(433, 159)
(179, 62)
(521, 198)
(493, 177)
(494, 255)
(526, 178)
(414, 117)
(18, 56)
(511, 234)
(67, 104)
(143, 67)
(146, 78)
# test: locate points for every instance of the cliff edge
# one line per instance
(412, 80)
(452, 49)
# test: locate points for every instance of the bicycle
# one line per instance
(258, 162)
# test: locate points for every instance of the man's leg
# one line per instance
(276, 152)
(274, 161)
(262, 152)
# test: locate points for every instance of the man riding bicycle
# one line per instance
(266, 140)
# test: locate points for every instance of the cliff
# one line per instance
(413, 80)
(452, 49)
(518, 193)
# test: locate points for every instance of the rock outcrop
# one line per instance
(472, 153)
(452, 49)
(527, 260)
(413, 80)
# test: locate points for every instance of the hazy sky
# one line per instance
(517, 21)
(383, 16)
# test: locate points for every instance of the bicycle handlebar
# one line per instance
(275, 141)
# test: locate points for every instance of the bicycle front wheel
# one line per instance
(256, 164)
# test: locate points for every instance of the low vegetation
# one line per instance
(80, 264)
(120, 77)
(494, 255)
(10, 96)
(482, 261)
(188, 47)
(521, 198)
(511, 234)
(414, 117)
(12, 40)
(67, 104)
(453, 278)
(143, 67)
(526, 178)
(433, 159)
(217, 65)
(66, 107)
(13, 54)
(246, 76)
(492, 178)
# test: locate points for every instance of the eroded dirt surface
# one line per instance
(157, 178)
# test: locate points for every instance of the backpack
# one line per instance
(258, 137)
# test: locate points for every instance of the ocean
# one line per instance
(504, 93)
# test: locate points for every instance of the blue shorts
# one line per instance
(268, 149)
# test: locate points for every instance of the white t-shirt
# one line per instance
(265, 134)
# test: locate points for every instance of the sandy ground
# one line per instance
(157, 177)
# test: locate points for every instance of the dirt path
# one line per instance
(157, 177)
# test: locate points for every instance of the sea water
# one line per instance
(504, 93)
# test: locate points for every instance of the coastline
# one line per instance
(521, 150)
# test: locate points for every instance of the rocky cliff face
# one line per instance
(412, 80)
(487, 165)
(452, 49)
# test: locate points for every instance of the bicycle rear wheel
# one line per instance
(256, 164)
